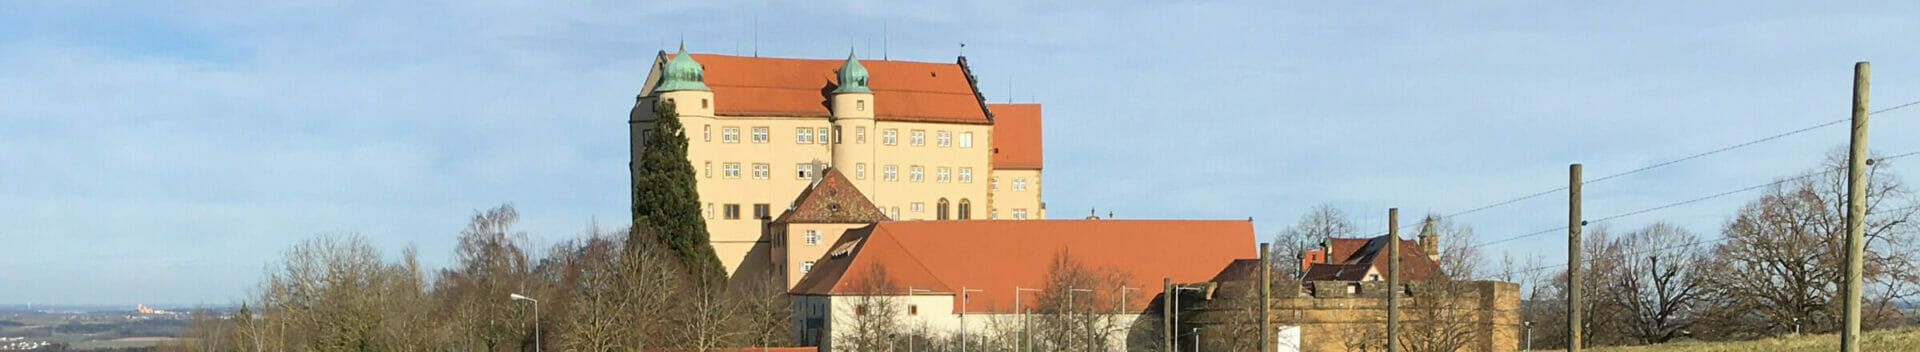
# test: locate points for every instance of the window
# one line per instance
(860, 134)
(703, 103)
(919, 138)
(993, 214)
(917, 207)
(709, 210)
(1019, 183)
(759, 134)
(993, 183)
(966, 175)
(837, 135)
(803, 171)
(806, 266)
(706, 133)
(917, 173)
(1370, 277)
(762, 211)
(890, 137)
(940, 209)
(813, 237)
(891, 173)
(733, 211)
(823, 135)
(913, 309)
(761, 171)
(730, 170)
(1019, 214)
(943, 174)
(709, 170)
(966, 209)
(895, 215)
(859, 105)
(730, 135)
(966, 139)
(803, 135)
(860, 171)
(944, 139)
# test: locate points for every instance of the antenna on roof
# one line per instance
(756, 35)
(883, 42)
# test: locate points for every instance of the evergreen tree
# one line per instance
(665, 201)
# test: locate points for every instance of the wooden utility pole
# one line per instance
(1166, 311)
(1393, 279)
(1856, 206)
(1575, 279)
(1266, 300)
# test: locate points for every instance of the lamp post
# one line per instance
(1174, 318)
(1023, 315)
(1529, 326)
(1196, 339)
(910, 292)
(536, 317)
(966, 295)
(1069, 310)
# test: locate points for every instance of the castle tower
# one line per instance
(1429, 240)
(683, 82)
(853, 125)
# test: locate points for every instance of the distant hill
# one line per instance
(1907, 339)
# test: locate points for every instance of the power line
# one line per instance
(1681, 160)
(1696, 242)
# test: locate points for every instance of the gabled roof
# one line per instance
(832, 200)
(995, 256)
(902, 90)
(1352, 256)
(1016, 136)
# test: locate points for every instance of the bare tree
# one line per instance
(1077, 306)
(492, 265)
(1313, 229)
(873, 316)
(1442, 310)
(1658, 292)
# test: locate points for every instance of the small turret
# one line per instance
(853, 108)
(1429, 240)
(853, 76)
(682, 73)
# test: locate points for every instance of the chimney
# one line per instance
(1429, 240)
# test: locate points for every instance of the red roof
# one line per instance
(995, 256)
(1352, 256)
(1016, 136)
(902, 90)
(832, 200)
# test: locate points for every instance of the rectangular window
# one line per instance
(916, 173)
(733, 211)
(730, 135)
(860, 134)
(709, 210)
(896, 214)
(966, 139)
(730, 170)
(944, 139)
(706, 133)
(837, 135)
(859, 105)
(966, 175)
(709, 170)
(860, 171)
(762, 211)
(803, 135)
(823, 135)
(943, 174)
(806, 266)
(813, 237)
(993, 214)
(891, 173)
(1019, 214)
(993, 183)
(918, 207)
(759, 134)
(803, 171)
(1019, 183)
(919, 138)
(762, 171)
(890, 137)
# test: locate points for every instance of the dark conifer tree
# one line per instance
(665, 200)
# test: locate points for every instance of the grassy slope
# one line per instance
(1885, 340)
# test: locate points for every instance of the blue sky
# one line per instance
(163, 154)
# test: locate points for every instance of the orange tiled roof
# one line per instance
(995, 256)
(902, 90)
(832, 200)
(1016, 136)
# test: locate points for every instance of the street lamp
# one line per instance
(966, 295)
(1023, 315)
(910, 292)
(1529, 326)
(1196, 339)
(536, 317)
(1069, 310)
(1174, 319)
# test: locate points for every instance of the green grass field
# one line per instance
(1886, 340)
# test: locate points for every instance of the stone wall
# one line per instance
(1340, 316)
